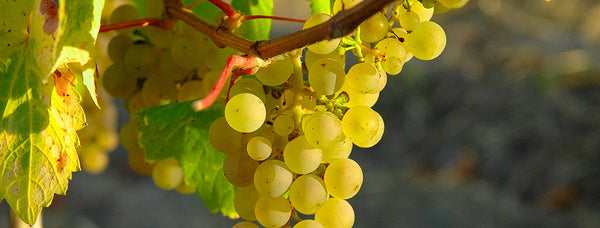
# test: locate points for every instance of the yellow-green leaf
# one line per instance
(40, 110)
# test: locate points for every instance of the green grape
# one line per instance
(141, 60)
(245, 224)
(308, 223)
(364, 99)
(300, 156)
(248, 85)
(309, 103)
(128, 136)
(322, 129)
(340, 5)
(210, 80)
(453, 4)
(391, 47)
(425, 14)
(154, 8)
(159, 91)
(428, 4)
(136, 102)
(382, 82)
(272, 178)
(118, 46)
(245, 112)
(125, 12)
(189, 50)
(374, 28)
(273, 212)
(169, 69)
(184, 188)
(311, 57)
(326, 76)
(401, 35)
(363, 126)
(392, 65)
(363, 78)
(160, 38)
(276, 73)
(343, 178)
(167, 174)
(440, 8)
(239, 168)
(427, 41)
(283, 125)
(117, 82)
(308, 193)
(336, 151)
(191, 90)
(244, 202)
(335, 213)
(324, 46)
(137, 161)
(409, 20)
(93, 159)
(259, 148)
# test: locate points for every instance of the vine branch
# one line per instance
(340, 25)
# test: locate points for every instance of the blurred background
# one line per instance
(503, 129)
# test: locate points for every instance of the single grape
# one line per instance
(245, 224)
(427, 41)
(159, 91)
(125, 12)
(244, 202)
(322, 129)
(391, 47)
(93, 159)
(453, 4)
(428, 4)
(343, 178)
(245, 112)
(141, 60)
(117, 82)
(284, 125)
(301, 157)
(184, 188)
(167, 174)
(118, 46)
(273, 212)
(326, 76)
(409, 20)
(336, 151)
(392, 65)
(324, 46)
(374, 28)
(363, 126)
(335, 213)
(425, 14)
(340, 5)
(191, 90)
(248, 85)
(276, 73)
(363, 78)
(272, 178)
(308, 223)
(239, 168)
(308, 193)
(259, 148)
(136, 102)
(189, 50)
(167, 68)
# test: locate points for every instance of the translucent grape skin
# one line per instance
(325, 46)
(276, 73)
(343, 178)
(322, 129)
(272, 178)
(326, 76)
(335, 213)
(363, 78)
(308, 193)
(118, 46)
(248, 85)
(374, 28)
(259, 148)
(167, 174)
(141, 60)
(273, 212)
(283, 125)
(409, 20)
(363, 126)
(427, 40)
(301, 157)
(308, 223)
(244, 202)
(239, 168)
(336, 151)
(117, 82)
(245, 112)
(224, 138)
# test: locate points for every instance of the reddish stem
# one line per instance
(251, 17)
(140, 22)
(194, 4)
(231, 12)
(243, 62)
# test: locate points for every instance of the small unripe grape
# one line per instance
(167, 174)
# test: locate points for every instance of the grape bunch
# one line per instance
(152, 67)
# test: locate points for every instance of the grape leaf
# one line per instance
(257, 29)
(320, 6)
(178, 131)
(39, 105)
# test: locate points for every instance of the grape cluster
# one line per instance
(153, 67)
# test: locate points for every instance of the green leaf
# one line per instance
(178, 131)
(257, 29)
(40, 108)
(320, 6)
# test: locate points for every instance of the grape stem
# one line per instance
(340, 25)
(250, 65)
